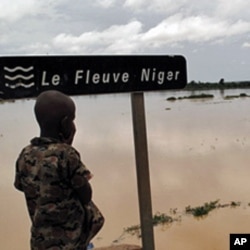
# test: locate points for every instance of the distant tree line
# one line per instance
(193, 85)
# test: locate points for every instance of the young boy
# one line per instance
(55, 182)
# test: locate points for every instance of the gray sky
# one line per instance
(213, 35)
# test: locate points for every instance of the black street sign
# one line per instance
(27, 76)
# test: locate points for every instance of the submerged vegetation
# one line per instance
(158, 219)
(203, 95)
(199, 212)
(236, 96)
(202, 210)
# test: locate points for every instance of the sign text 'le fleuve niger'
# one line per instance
(27, 76)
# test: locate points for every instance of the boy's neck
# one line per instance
(50, 134)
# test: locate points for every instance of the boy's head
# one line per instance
(55, 114)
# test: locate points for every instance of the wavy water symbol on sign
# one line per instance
(19, 77)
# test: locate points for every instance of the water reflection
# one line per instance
(198, 152)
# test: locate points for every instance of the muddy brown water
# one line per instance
(199, 151)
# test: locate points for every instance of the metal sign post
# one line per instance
(28, 76)
(142, 169)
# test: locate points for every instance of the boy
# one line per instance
(55, 182)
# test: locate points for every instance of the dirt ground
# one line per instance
(120, 247)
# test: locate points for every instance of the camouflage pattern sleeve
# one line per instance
(76, 169)
(18, 182)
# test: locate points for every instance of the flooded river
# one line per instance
(199, 151)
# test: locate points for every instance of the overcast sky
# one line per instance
(213, 35)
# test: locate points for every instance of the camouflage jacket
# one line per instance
(48, 172)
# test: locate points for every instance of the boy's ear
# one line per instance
(67, 130)
(65, 126)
